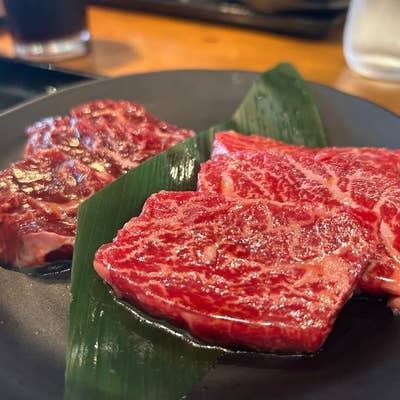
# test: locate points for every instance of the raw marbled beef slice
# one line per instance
(109, 135)
(238, 272)
(39, 198)
(368, 189)
(230, 141)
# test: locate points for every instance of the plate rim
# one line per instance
(78, 86)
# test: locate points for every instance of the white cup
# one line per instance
(372, 38)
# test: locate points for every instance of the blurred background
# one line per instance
(71, 40)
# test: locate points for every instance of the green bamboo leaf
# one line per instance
(115, 351)
(280, 105)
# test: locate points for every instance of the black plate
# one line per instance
(361, 359)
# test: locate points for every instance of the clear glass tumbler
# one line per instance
(372, 38)
(48, 30)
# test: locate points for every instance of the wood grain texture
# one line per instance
(129, 42)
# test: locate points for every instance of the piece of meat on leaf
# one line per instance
(246, 273)
(227, 142)
(365, 180)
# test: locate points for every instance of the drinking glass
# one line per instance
(372, 38)
(48, 30)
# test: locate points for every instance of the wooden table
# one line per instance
(127, 42)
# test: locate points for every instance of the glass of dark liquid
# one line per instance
(48, 30)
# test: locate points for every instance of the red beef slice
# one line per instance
(110, 135)
(365, 180)
(251, 273)
(39, 197)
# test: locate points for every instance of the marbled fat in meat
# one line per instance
(227, 142)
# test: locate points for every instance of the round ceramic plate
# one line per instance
(362, 356)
